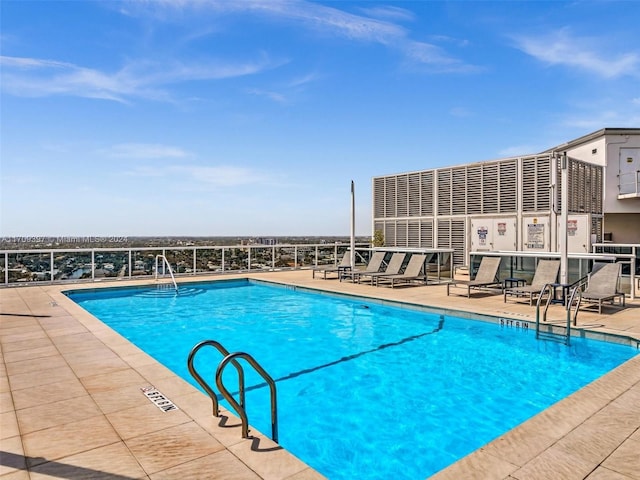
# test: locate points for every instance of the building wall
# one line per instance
(624, 227)
(607, 153)
(470, 206)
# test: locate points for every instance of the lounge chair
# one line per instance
(485, 278)
(411, 273)
(345, 264)
(546, 272)
(603, 286)
(393, 268)
(375, 262)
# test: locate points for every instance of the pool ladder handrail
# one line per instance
(194, 373)
(569, 303)
(166, 262)
(240, 410)
(238, 407)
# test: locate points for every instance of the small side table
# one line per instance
(564, 293)
(344, 272)
(514, 282)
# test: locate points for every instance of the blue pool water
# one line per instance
(365, 390)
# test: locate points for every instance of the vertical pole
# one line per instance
(564, 262)
(353, 227)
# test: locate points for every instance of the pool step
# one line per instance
(164, 292)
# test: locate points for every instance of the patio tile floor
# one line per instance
(71, 406)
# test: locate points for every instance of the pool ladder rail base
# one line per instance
(239, 407)
(572, 305)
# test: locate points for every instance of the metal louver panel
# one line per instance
(402, 196)
(390, 234)
(585, 187)
(536, 178)
(529, 170)
(390, 197)
(458, 241)
(452, 234)
(401, 233)
(474, 189)
(426, 234)
(490, 188)
(426, 193)
(444, 192)
(413, 234)
(508, 187)
(444, 233)
(414, 194)
(378, 197)
(459, 191)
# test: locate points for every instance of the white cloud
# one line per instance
(326, 19)
(216, 176)
(33, 77)
(145, 150)
(389, 13)
(562, 48)
(596, 120)
(275, 96)
(460, 112)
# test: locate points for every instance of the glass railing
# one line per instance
(629, 183)
(522, 265)
(101, 264)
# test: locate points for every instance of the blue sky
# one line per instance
(242, 117)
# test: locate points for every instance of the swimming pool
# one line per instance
(365, 389)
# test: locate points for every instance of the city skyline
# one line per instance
(251, 118)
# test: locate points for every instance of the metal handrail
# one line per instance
(575, 291)
(545, 287)
(194, 373)
(240, 410)
(166, 262)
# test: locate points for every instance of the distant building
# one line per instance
(266, 241)
(513, 204)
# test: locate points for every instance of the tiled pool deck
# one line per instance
(71, 404)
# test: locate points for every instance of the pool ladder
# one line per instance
(572, 314)
(165, 266)
(239, 407)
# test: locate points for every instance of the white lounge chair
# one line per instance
(345, 264)
(603, 286)
(393, 268)
(486, 277)
(375, 262)
(413, 272)
(546, 272)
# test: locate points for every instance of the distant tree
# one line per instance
(378, 238)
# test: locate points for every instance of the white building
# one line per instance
(514, 204)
